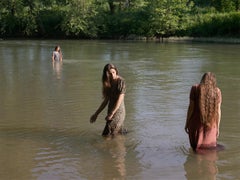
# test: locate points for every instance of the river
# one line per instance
(45, 132)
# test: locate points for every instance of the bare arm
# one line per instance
(189, 114)
(118, 103)
(93, 118)
(60, 55)
(219, 118)
(219, 111)
(52, 56)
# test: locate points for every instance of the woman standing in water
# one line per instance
(113, 91)
(204, 113)
(57, 54)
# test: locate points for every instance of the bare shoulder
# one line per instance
(219, 95)
(218, 90)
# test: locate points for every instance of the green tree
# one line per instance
(219, 5)
(226, 6)
(80, 19)
(11, 16)
(119, 18)
(168, 17)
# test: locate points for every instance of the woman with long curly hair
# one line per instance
(113, 90)
(204, 113)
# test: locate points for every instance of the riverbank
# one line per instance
(170, 39)
(204, 39)
(185, 39)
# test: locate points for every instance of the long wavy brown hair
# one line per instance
(208, 100)
(106, 82)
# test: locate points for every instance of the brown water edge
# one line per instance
(224, 40)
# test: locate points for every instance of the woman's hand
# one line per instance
(109, 117)
(93, 118)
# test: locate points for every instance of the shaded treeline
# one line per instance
(119, 18)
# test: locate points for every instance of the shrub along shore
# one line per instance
(204, 39)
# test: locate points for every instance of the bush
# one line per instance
(49, 22)
(215, 25)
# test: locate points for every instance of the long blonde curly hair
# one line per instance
(208, 100)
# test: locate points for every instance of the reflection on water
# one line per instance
(202, 165)
(57, 154)
(45, 108)
(118, 152)
(57, 68)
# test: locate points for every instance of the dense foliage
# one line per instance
(118, 18)
(216, 25)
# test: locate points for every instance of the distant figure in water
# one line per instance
(113, 90)
(204, 114)
(57, 54)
